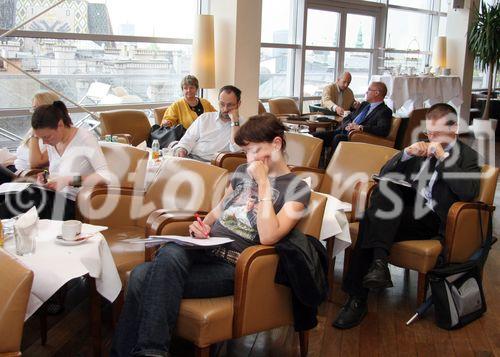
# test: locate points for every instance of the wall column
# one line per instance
(237, 26)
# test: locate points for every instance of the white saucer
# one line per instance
(70, 242)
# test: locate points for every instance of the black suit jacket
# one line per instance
(378, 122)
(457, 180)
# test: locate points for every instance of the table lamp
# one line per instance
(203, 66)
(439, 54)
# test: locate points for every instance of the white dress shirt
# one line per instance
(207, 136)
(82, 157)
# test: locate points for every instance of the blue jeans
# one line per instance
(154, 295)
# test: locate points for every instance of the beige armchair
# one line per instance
(258, 303)
(127, 164)
(283, 106)
(301, 150)
(389, 140)
(462, 236)
(132, 122)
(159, 113)
(15, 288)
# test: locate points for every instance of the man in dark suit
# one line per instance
(372, 116)
(441, 171)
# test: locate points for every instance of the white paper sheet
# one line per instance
(11, 187)
(182, 240)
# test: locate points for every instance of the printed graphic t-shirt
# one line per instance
(238, 220)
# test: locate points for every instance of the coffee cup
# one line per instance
(71, 229)
(313, 117)
(346, 113)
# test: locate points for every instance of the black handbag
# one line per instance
(165, 135)
(457, 289)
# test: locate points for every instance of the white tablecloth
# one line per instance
(54, 265)
(406, 93)
(335, 224)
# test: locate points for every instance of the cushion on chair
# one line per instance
(206, 321)
(420, 255)
(126, 255)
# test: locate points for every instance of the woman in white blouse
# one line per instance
(32, 152)
(75, 159)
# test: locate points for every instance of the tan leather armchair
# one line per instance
(462, 236)
(15, 288)
(389, 140)
(301, 150)
(127, 164)
(283, 106)
(132, 122)
(258, 303)
(159, 113)
(179, 185)
(414, 122)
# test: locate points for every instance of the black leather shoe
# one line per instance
(351, 314)
(378, 277)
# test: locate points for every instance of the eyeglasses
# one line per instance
(429, 133)
(372, 90)
(228, 106)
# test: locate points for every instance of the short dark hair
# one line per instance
(48, 116)
(262, 128)
(439, 110)
(231, 89)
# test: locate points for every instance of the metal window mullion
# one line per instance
(96, 37)
(301, 55)
(342, 35)
(279, 45)
(321, 48)
(423, 11)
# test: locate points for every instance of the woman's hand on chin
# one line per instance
(258, 170)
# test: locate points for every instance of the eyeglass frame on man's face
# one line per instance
(227, 106)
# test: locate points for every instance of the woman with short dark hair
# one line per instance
(187, 109)
(262, 205)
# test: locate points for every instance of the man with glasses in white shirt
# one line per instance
(213, 132)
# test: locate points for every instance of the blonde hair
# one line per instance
(44, 98)
(41, 98)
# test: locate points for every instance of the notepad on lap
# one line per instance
(391, 179)
(182, 240)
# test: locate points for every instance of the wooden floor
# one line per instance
(383, 332)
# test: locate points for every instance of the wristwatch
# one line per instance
(235, 123)
(77, 181)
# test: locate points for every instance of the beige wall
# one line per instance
(237, 49)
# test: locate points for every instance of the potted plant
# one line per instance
(484, 43)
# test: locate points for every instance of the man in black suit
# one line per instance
(372, 116)
(441, 171)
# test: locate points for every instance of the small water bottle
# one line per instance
(155, 149)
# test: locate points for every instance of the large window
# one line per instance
(278, 52)
(299, 61)
(97, 53)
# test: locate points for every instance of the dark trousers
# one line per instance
(49, 204)
(377, 232)
(331, 139)
(7, 174)
(154, 295)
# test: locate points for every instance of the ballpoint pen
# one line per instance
(197, 216)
